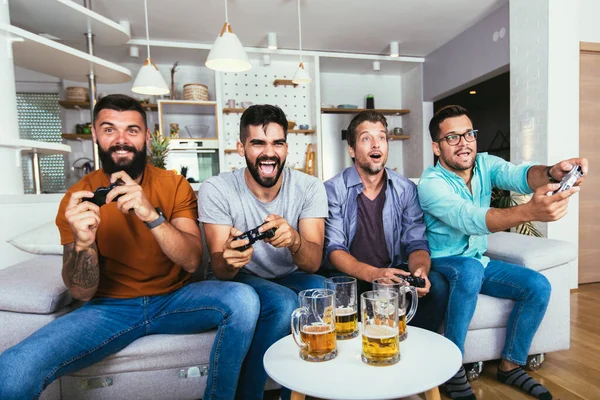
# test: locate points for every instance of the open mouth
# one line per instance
(268, 168)
(463, 153)
(375, 156)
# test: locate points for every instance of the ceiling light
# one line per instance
(227, 53)
(149, 80)
(301, 76)
(272, 37)
(473, 92)
(394, 49)
(376, 66)
(134, 51)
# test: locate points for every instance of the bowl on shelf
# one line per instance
(291, 124)
(195, 91)
(347, 106)
(304, 127)
(246, 104)
(196, 131)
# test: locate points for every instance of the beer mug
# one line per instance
(404, 313)
(313, 325)
(379, 316)
(346, 314)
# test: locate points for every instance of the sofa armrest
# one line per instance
(532, 252)
(34, 286)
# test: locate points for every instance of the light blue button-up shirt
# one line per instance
(403, 224)
(455, 216)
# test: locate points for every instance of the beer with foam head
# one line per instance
(319, 340)
(346, 321)
(380, 345)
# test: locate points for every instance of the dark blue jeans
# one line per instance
(432, 307)
(104, 326)
(467, 277)
(278, 298)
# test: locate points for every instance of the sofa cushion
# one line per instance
(34, 286)
(491, 312)
(535, 253)
(45, 239)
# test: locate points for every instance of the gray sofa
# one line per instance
(175, 366)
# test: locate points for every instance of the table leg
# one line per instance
(300, 396)
(432, 394)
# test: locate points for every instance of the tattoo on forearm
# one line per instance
(81, 267)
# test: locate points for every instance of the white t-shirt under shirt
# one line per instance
(226, 200)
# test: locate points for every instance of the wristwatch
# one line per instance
(550, 177)
(161, 218)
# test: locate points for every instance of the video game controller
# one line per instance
(569, 179)
(254, 235)
(413, 280)
(99, 198)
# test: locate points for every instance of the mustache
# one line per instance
(266, 158)
(121, 147)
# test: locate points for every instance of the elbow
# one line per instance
(82, 294)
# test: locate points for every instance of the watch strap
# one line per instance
(161, 218)
(550, 178)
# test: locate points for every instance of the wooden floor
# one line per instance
(571, 374)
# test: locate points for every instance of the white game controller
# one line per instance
(569, 179)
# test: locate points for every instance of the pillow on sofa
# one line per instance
(44, 239)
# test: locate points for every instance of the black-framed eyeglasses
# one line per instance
(454, 138)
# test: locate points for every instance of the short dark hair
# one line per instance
(442, 114)
(262, 115)
(119, 102)
(367, 115)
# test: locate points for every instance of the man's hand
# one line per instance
(421, 273)
(83, 218)
(285, 235)
(387, 273)
(544, 207)
(132, 199)
(560, 169)
(234, 257)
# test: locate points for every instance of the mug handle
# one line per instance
(295, 325)
(414, 303)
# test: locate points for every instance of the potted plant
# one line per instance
(159, 147)
(504, 199)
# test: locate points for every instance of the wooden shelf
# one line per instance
(228, 110)
(46, 56)
(41, 16)
(284, 82)
(230, 151)
(77, 136)
(78, 105)
(385, 111)
(398, 137)
(305, 131)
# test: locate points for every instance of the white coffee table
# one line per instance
(427, 361)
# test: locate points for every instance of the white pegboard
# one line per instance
(257, 86)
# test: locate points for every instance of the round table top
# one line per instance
(427, 361)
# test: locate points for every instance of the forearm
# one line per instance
(182, 248)
(419, 259)
(81, 271)
(306, 254)
(346, 263)
(501, 219)
(537, 176)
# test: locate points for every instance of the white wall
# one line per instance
(412, 98)
(589, 30)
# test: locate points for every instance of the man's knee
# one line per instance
(243, 302)
(539, 289)
(465, 273)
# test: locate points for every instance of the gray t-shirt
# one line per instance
(226, 200)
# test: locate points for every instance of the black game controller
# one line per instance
(99, 198)
(254, 235)
(413, 280)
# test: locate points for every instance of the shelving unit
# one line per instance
(305, 131)
(230, 151)
(228, 110)
(85, 105)
(398, 137)
(77, 136)
(384, 111)
(284, 82)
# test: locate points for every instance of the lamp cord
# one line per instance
(299, 31)
(147, 31)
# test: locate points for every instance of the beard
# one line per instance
(371, 168)
(458, 166)
(134, 168)
(254, 170)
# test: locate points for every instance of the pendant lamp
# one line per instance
(227, 53)
(149, 80)
(301, 76)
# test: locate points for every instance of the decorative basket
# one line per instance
(77, 93)
(195, 91)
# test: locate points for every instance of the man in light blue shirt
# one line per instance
(375, 226)
(455, 196)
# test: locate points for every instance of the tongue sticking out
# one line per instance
(267, 169)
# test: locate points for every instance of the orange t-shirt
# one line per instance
(132, 264)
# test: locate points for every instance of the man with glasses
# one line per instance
(455, 196)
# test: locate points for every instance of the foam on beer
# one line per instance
(341, 311)
(317, 328)
(380, 331)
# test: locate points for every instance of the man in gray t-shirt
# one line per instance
(293, 203)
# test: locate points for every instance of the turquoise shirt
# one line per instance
(455, 216)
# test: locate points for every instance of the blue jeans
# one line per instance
(431, 307)
(467, 278)
(278, 298)
(103, 326)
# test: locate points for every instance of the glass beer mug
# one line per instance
(405, 314)
(379, 316)
(313, 325)
(346, 314)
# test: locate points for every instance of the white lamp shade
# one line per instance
(301, 76)
(227, 53)
(150, 81)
